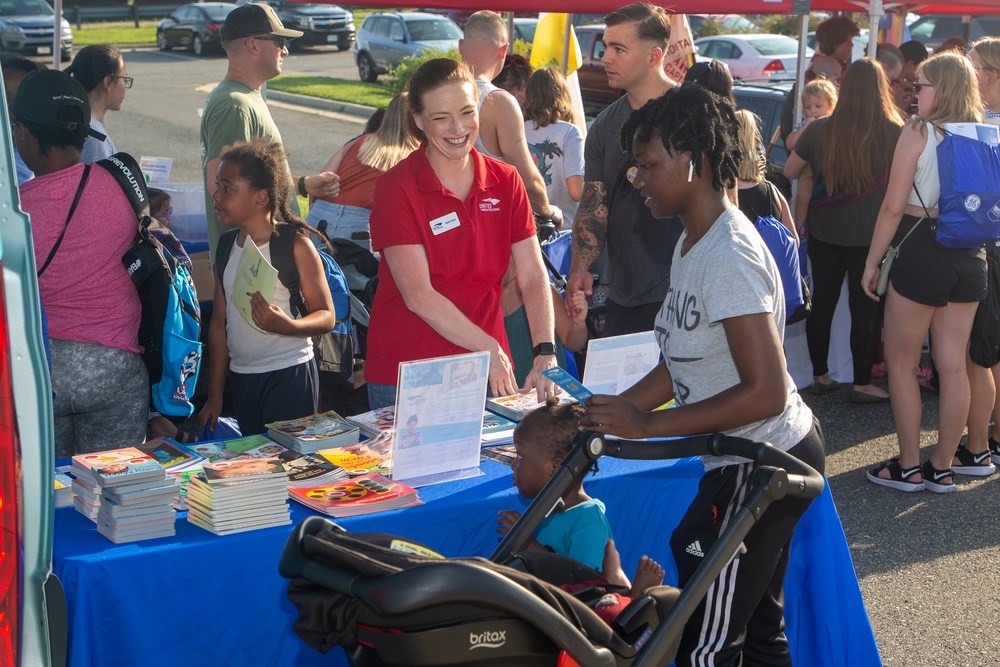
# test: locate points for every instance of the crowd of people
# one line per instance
(449, 186)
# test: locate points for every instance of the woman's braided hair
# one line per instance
(691, 119)
(262, 163)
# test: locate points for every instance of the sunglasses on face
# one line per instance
(917, 87)
(279, 41)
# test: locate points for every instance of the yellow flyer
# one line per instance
(253, 274)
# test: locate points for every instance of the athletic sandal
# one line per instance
(994, 450)
(977, 465)
(899, 478)
(933, 476)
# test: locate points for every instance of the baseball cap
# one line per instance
(254, 19)
(45, 93)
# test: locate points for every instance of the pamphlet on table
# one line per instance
(616, 363)
(439, 418)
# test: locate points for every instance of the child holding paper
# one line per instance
(272, 371)
(542, 440)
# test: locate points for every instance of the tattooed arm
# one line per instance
(590, 231)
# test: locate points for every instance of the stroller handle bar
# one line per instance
(791, 476)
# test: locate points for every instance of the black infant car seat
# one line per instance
(390, 603)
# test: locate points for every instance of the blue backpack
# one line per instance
(334, 350)
(170, 327)
(969, 208)
(785, 252)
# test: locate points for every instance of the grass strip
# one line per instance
(102, 33)
(329, 88)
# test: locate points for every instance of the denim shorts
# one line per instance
(342, 222)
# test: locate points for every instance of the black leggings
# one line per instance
(829, 265)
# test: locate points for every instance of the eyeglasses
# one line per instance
(917, 87)
(169, 213)
(127, 79)
(279, 41)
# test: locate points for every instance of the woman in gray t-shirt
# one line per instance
(720, 330)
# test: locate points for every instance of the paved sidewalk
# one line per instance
(925, 561)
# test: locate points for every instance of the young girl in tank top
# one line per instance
(272, 372)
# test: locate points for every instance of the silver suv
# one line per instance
(386, 38)
(27, 27)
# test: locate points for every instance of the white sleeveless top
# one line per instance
(926, 179)
(250, 350)
(484, 88)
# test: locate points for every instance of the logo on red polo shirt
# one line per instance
(489, 205)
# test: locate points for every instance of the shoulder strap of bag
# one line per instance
(69, 216)
(129, 176)
(926, 215)
(283, 259)
(772, 201)
(223, 249)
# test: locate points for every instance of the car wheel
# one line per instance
(66, 55)
(198, 46)
(366, 68)
(344, 46)
(161, 41)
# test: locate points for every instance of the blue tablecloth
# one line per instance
(203, 599)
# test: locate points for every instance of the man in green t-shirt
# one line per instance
(254, 40)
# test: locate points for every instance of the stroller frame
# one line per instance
(778, 474)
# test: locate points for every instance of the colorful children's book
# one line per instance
(372, 455)
(84, 464)
(248, 447)
(361, 495)
(224, 471)
(517, 405)
(167, 452)
(310, 470)
(309, 434)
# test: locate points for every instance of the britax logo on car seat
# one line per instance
(487, 639)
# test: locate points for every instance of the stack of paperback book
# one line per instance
(516, 406)
(127, 494)
(315, 432)
(309, 470)
(64, 489)
(236, 496)
(360, 495)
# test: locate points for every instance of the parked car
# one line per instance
(767, 102)
(385, 38)
(27, 28)
(194, 26)
(754, 57)
(859, 45)
(594, 88)
(524, 28)
(932, 30)
(33, 612)
(459, 16)
(320, 24)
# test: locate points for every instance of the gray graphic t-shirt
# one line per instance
(727, 273)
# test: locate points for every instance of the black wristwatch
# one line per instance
(544, 348)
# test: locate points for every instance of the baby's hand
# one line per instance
(579, 308)
(507, 519)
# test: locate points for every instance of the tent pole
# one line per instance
(57, 34)
(800, 68)
(566, 40)
(875, 13)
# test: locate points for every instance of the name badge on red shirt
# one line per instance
(444, 223)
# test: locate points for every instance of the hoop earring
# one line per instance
(690, 170)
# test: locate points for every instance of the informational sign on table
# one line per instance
(439, 418)
(614, 364)
(156, 169)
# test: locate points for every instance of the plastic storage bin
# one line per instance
(189, 222)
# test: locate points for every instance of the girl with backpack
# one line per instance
(271, 365)
(931, 287)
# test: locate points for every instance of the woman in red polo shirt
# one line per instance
(447, 221)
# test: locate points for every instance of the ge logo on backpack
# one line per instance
(969, 171)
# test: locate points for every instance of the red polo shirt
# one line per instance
(467, 259)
